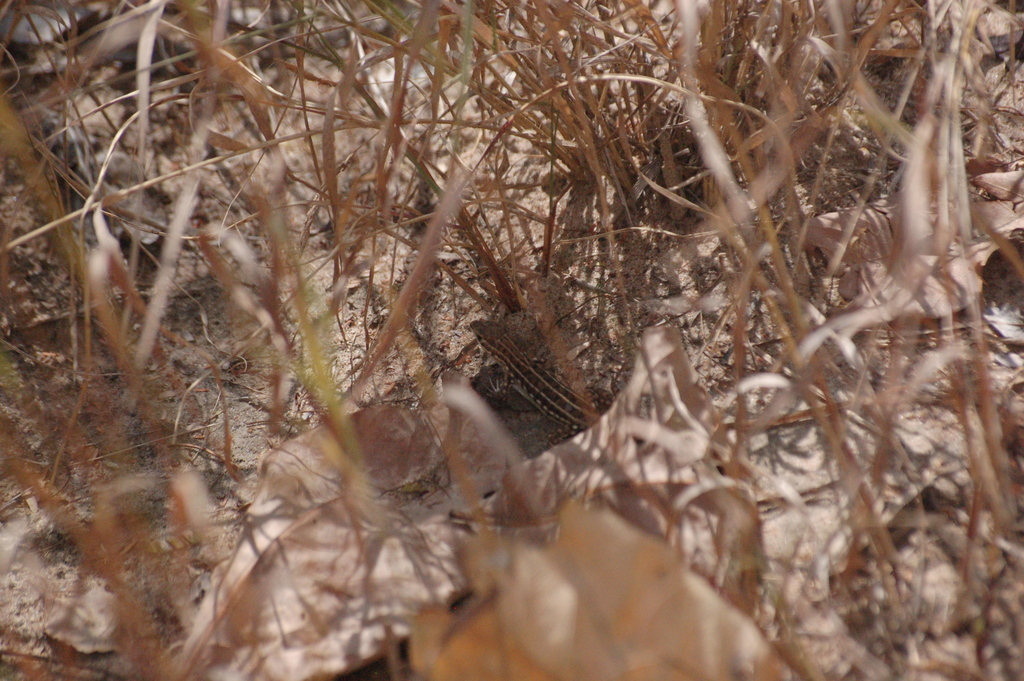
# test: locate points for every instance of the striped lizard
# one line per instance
(542, 388)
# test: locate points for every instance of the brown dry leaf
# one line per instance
(226, 142)
(12, 533)
(1000, 263)
(982, 164)
(473, 648)
(948, 289)
(860, 247)
(324, 577)
(1006, 186)
(853, 236)
(483, 464)
(605, 601)
(628, 460)
(647, 460)
(86, 621)
(856, 242)
(1000, 217)
(397, 447)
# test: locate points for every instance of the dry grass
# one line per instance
(217, 229)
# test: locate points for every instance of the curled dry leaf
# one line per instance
(188, 503)
(397, 447)
(996, 219)
(853, 236)
(855, 241)
(626, 451)
(983, 164)
(861, 246)
(86, 621)
(1007, 186)
(1003, 293)
(647, 459)
(12, 537)
(999, 217)
(605, 601)
(1000, 262)
(323, 575)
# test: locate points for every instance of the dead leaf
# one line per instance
(1003, 289)
(324, 577)
(860, 245)
(853, 236)
(626, 457)
(397, 447)
(225, 142)
(1000, 217)
(605, 601)
(1005, 186)
(982, 164)
(647, 460)
(87, 621)
(12, 535)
